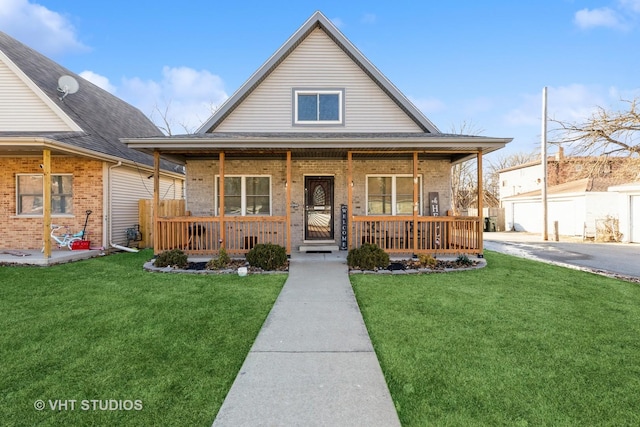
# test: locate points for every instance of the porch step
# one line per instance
(318, 248)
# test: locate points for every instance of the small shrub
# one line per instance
(173, 258)
(427, 260)
(464, 260)
(221, 261)
(267, 256)
(368, 257)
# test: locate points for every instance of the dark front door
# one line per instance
(318, 212)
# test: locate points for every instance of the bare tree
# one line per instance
(464, 177)
(464, 182)
(166, 123)
(604, 133)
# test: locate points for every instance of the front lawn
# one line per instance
(516, 343)
(128, 346)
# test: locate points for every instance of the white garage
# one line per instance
(629, 210)
(575, 206)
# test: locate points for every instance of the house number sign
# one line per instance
(434, 204)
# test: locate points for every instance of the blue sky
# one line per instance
(463, 63)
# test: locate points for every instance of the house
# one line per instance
(318, 150)
(579, 199)
(66, 139)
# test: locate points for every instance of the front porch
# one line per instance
(394, 234)
(414, 226)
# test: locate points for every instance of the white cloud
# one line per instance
(184, 97)
(631, 5)
(38, 27)
(601, 17)
(571, 103)
(98, 80)
(181, 100)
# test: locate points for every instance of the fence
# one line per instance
(168, 208)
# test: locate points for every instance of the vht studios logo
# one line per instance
(88, 405)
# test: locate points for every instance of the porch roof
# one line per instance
(181, 147)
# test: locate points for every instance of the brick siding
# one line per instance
(26, 232)
(200, 186)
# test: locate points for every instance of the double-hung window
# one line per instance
(245, 195)
(30, 194)
(318, 107)
(391, 194)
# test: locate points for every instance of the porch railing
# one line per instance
(433, 234)
(394, 234)
(202, 235)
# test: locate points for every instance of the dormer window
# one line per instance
(318, 107)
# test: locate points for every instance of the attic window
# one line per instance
(318, 107)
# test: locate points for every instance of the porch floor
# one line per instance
(36, 257)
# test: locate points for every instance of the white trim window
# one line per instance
(318, 107)
(392, 194)
(245, 195)
(30, 194)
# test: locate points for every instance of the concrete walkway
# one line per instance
(313, 363)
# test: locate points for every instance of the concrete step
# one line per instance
(310, 247)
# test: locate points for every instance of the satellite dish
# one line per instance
(67, 85)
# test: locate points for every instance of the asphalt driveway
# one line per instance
(616, 259)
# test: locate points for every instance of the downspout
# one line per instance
(110, 206)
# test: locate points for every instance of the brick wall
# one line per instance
(26, 232)
(201, 179)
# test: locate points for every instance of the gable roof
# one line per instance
(318, 20)
(100, 118)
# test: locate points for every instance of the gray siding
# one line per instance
(128, 187)
(318, 63)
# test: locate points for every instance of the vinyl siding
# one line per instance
(315, 64)
(21, 109)
(129, 186)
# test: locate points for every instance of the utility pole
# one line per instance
(543, 142)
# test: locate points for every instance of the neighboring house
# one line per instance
(578, 196)
(628, 203)
(318, 150)
(72, 142)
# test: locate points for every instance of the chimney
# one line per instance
(560, 154)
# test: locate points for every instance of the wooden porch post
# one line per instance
(480, 207)
(221, 190)
(156, 201)
(415, 202)
(349, 198)
(288, 206)
(46, 196)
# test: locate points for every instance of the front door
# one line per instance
(318, 221)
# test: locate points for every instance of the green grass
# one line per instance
(516, 343)
(105, 329)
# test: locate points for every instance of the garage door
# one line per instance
(527, 216)
(565, 212)
(635, 219)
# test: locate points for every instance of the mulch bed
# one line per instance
(414, 265)
(233, 266)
